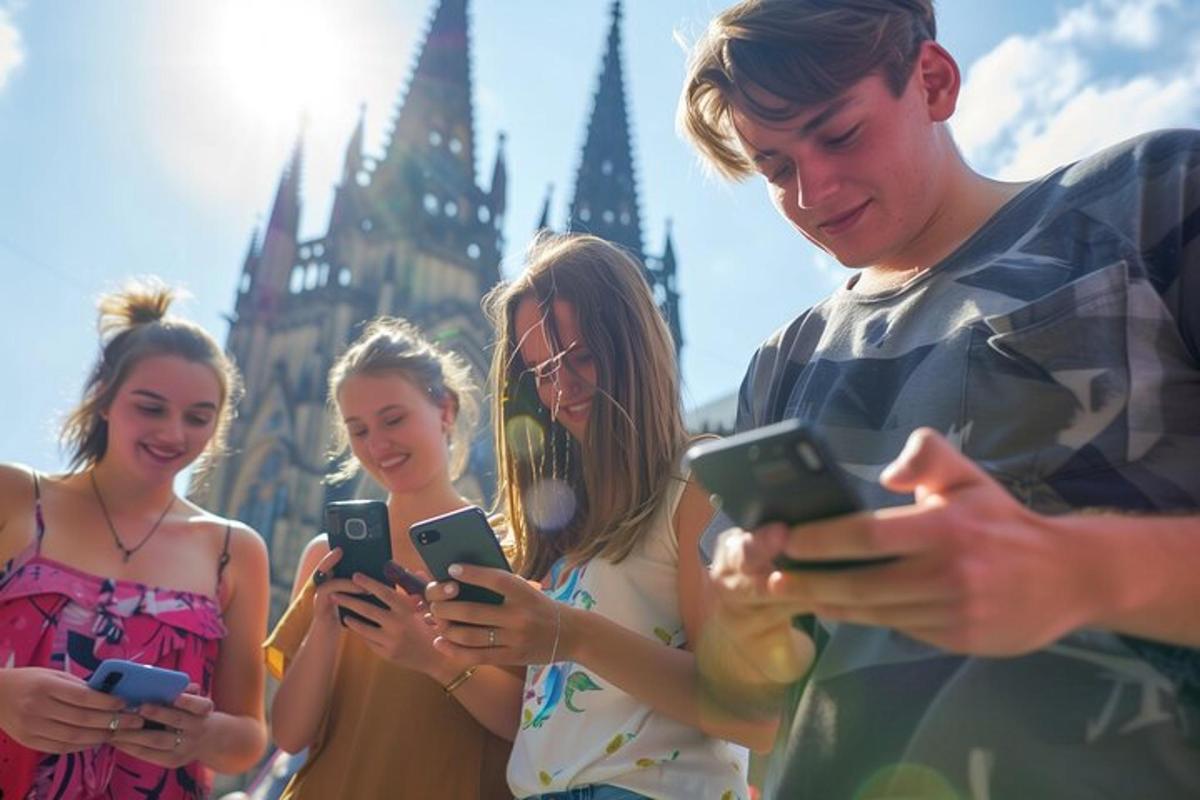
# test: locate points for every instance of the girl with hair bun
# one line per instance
(381, 711)
(106, 561)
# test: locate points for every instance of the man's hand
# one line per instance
(976, 572)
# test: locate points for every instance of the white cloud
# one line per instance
(1038, 101)
(11, 52)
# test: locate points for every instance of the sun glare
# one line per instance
(280, 59)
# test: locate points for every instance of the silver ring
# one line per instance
(115, 722)
(491, 637)
(178, 739)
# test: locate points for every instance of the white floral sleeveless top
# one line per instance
(577, 729)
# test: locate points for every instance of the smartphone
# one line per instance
(777, 473)
(460, 537)
(138, 684)
(360, 529)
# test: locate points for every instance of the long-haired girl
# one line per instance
(383, 713)
(590, 436)
(106, 561)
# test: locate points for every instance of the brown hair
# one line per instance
(389, 344)
(134, 325)
(802, 52)
(617, 481)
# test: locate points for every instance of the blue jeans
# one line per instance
(593, 791)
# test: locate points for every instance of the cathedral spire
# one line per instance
(278, 251)
(352, 168)
(669, 303)
(285, 212)
(353, 160)
(606, 201)
(436, 110)
(544, 219)
(498, 189)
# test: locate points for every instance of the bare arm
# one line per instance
(303, 695)
(239, 733)
(668, 679)
(665, 678)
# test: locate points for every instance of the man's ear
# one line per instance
(940, 80)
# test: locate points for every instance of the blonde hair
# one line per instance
(389, 344)
(800, 52)
(636, 431)
(133, 325)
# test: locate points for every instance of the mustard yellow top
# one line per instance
(388, 732)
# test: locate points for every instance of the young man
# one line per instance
(1011, 377)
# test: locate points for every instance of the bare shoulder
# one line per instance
(244, 542)
(694, 512)
(316, 549)
(16, 501)
(16, 488)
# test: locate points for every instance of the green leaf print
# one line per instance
(579, 681)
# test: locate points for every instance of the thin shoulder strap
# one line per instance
(224, 559)
(37, 510)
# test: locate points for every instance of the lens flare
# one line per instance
(907, 780)
(550, 504)
(526, 437)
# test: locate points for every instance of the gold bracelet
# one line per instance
(462, 678)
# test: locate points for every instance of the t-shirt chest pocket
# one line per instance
(1050, 384)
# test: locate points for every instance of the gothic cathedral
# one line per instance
(410, 234)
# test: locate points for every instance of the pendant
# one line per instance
(126, 554)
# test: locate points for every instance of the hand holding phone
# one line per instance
(777, 473)
(460, 537)
(138, 684)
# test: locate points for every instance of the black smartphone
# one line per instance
(777, 473)
(360, 529)
(460, 537)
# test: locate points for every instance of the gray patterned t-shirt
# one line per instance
(1060, 349)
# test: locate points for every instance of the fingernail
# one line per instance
(451, 589)
(455, 570)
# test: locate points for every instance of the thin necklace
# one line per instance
(127, 552)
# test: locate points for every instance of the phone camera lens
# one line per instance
(428, 537)
(809, 456)
(356, 529)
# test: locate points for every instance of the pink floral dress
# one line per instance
(55, 616)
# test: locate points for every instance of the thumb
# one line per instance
(929, 464)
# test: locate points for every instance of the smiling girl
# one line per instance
(106, 561)
(382, 712)
(590, 437)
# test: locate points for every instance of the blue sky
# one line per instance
(139, 136)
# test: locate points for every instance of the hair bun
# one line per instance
(139, 302)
